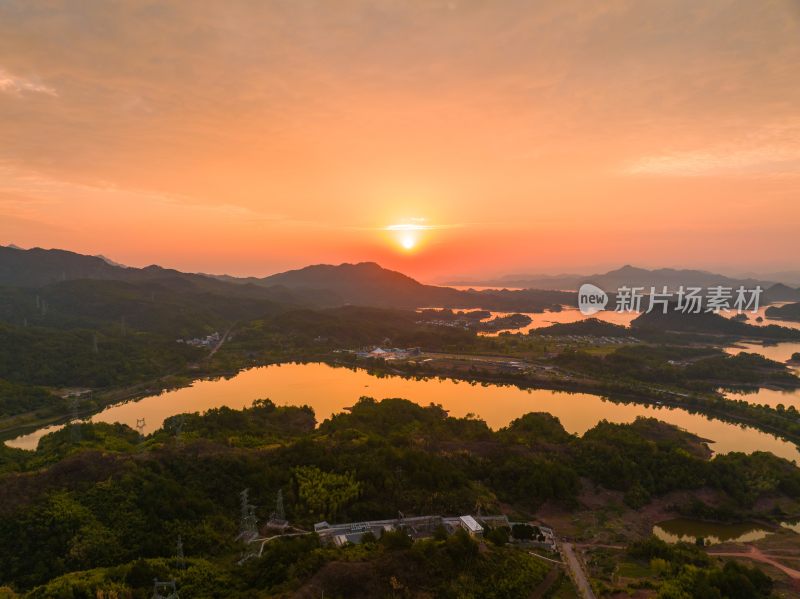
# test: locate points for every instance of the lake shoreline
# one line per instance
(604, 392)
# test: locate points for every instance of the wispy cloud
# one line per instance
(773, 160)
(37, 193)
(419, 224)
(13, 84)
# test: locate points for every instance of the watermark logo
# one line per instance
(591, 299)
(685, 299)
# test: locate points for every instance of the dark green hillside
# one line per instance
(591, 326)
(786, 312)
(707, 322)
(39, 356)
(170, 307)
(101, 510)
(309, 332)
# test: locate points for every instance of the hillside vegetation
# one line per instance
(99, 509)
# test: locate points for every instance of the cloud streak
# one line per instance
(739, 162)
(12, 84)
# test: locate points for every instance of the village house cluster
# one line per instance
(208, 341)
(393, 353)
(423, 527)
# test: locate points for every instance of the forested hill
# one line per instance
(363, 284)
(96, 510)
(787, 312)
(37, 267)
(367, 283)
(709, 323)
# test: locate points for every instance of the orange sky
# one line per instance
(251, 137)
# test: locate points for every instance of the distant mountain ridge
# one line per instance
(362, 282)
(640, 277)
(368, 283)
(37, 267)
(320, 285)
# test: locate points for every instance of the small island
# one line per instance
(786, 312)
(502, 323)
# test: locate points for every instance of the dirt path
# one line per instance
(218, 345)
(757, 555)
(578, 574)
(601, 545)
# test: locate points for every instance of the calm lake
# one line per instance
(780, 352)
(570, 314)
(685, 529)
(547, 318)
(329, 390)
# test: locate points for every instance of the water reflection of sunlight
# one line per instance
(714, 533)
(329, 390)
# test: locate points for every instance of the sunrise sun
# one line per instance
(407, 235)
(408, 241)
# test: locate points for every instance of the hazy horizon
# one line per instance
(789, 277)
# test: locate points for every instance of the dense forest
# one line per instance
(708, 322)
(98, 509)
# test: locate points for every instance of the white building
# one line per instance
(469, 524)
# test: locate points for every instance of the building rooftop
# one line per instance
(471, 524)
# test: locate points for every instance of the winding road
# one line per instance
(576, 569)
(757, 555)
(219, 344)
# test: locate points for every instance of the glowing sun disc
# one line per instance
(408, 242)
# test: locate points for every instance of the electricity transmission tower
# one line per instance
(277, 519)
(280, 513)
(75, 432)
(168, 587)
(179, 557)
(179, 422)
(140, 426)
(248, 526)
